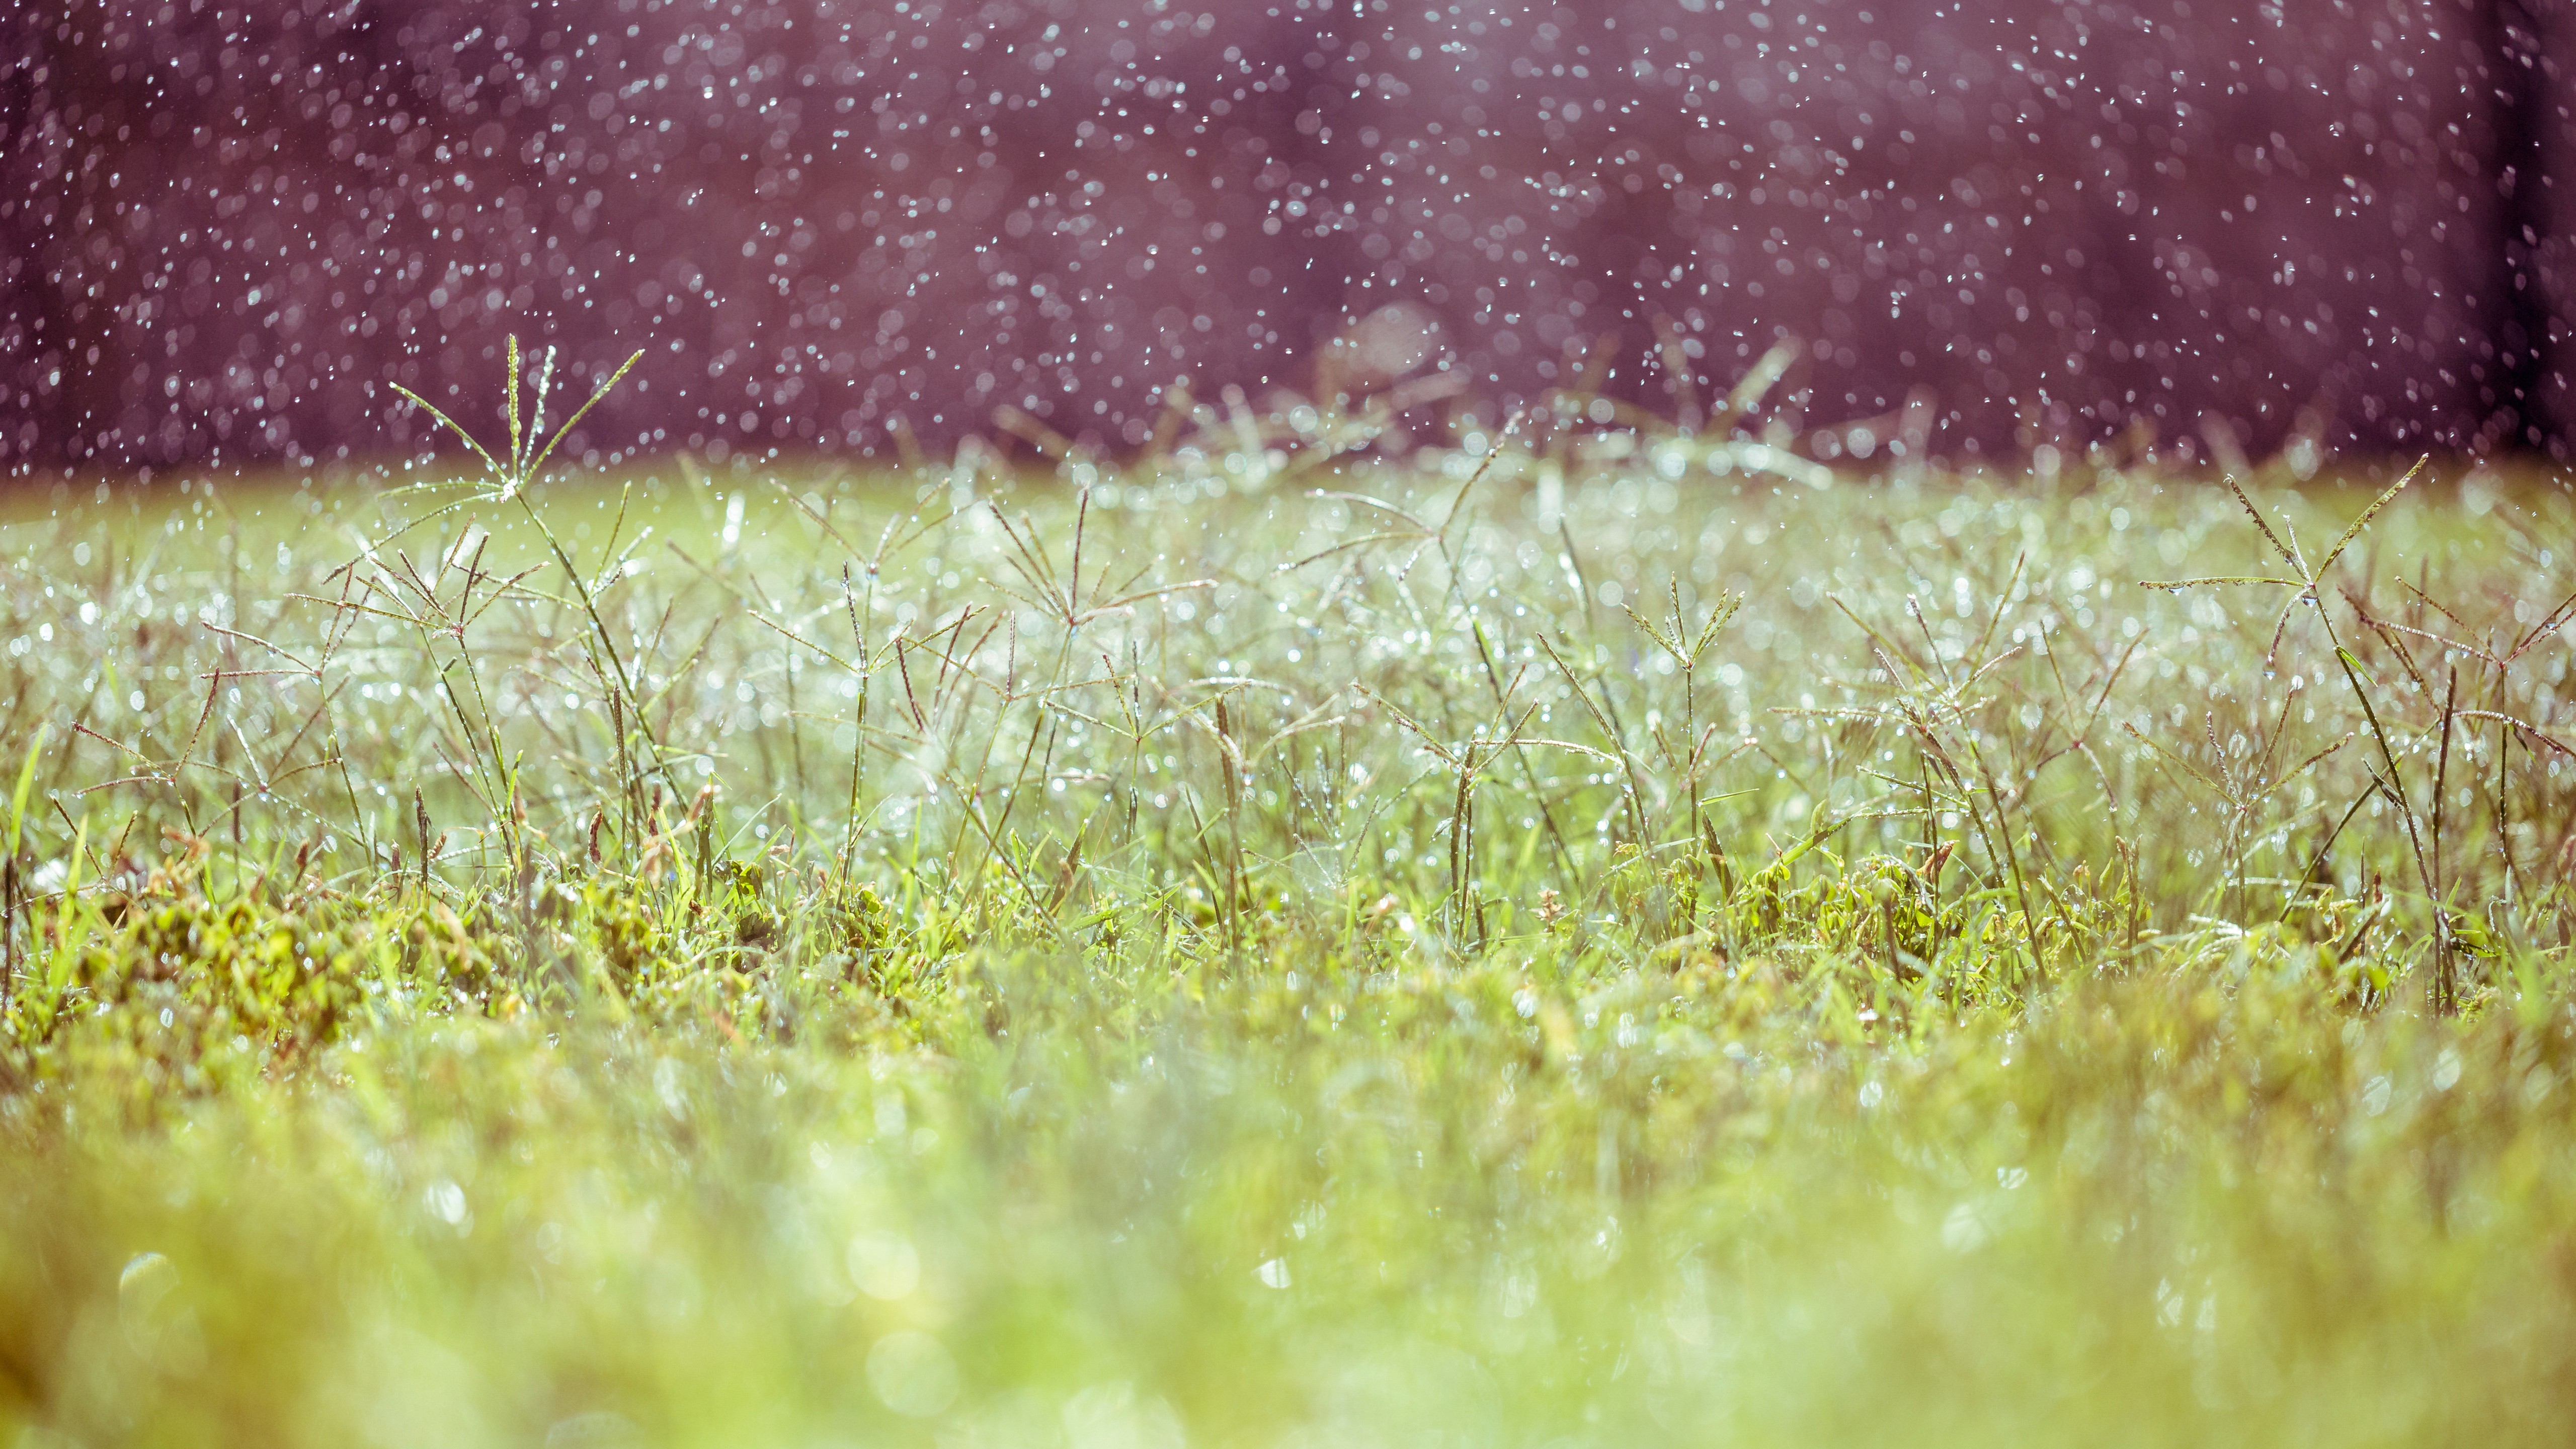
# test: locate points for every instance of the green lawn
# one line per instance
(1616, 948)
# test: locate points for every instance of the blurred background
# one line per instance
(2003, 226)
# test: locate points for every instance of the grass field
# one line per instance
(1597, 944)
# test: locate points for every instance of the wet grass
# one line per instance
(1598, 944)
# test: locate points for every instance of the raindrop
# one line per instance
(864, 231)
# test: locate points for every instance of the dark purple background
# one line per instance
(227, 230)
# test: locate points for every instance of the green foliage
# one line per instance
(1582, 945)
(168, 988)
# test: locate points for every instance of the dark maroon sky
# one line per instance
(228, 230)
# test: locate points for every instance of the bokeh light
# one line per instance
(1995, 224)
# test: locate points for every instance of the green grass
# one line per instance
(1272, 951)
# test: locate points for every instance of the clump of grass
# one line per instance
(1600, 935)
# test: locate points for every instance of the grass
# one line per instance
(1599, 936)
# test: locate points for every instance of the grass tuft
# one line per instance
(1612, 935)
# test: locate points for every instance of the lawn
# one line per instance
(1591, 936)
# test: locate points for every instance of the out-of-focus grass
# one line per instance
(1299, 962)
(2153, 1214)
